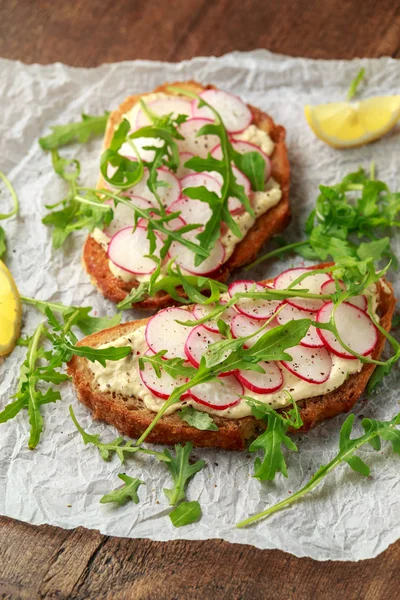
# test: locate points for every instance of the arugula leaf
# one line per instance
(185, 514)
(373, 431)
(3, 245)
(198, 419)
(3, 216)
(181, 470)
(127, 492)
(355, 83)
(74, 132)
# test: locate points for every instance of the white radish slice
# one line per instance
(329, 287)
(201, 179)
(184, 257)
(243, 148)
(128, 249)
(234, 204)
(140, 144)
(354, 326)
(291, 313)
(201, 145)
(242, 326)
(234, 113)
(192, 211)
(164, 106)
(168, 193)
(262, 383)
(202, 310)
(312, 283)
(173, 225)
(164, 333)
(252, 307)
(197, 343)
(218, 394)
(123, 215)
(313, 365)
(163, 386)
(182, 171)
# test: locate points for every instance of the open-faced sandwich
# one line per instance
(204, 188)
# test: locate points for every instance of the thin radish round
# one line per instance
(262, 383)
(164, 106)
(218, 394)
(202, 179)
(252, 307)
(163, 386)
(234, 204)
(313, 365)
(184, 257)
(197, 343)
(242, 326)
(243, 148)
(291, 313)
(202, 310)
(192, 211)
(128, 249)
(329, 287)
(140, 145)
(201, 145)
(354, 326)
(164, 333)
(234, 113)
(123, 215)
(182, 171)
(168, 193)
(173, 225)
(312, 283)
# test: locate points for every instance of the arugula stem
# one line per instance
(14, 197)
(35, 418)
(276, 252)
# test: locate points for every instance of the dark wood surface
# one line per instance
(48, 562)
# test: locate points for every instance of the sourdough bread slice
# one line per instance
(95, 259)
(131, 417)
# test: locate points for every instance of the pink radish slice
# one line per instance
(243, 148)
(355, 329)
(291, 313)
(234, 204)
(123, 215)
(202, 179)
(192, 211)
(168, 194)
(262, 383)
(313, 365)
(184, 257)
(242, 326)
(197, 343)
(329, 287)
(164, 106)
(312, 283)
(202, 310)
(234, 113)
(251, 307)
(128, 249)
(218, 394)
(182, 171)
(201, 145)
(140, 144)
(164, 333)
(173, 225)
(163, 386)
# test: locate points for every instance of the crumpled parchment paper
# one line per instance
(348, 517)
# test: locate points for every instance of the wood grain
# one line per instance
(48, 562)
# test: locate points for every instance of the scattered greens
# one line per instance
(3, 216)
(185, 514)
(198, 419)
(355, 83)
(127, 492)
(181, 471)
(74, 132)
(3, 245)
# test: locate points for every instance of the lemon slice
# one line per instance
(10, 311)
(348, 124)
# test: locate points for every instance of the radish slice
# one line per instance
(355, 329)
(199, 146)
(140, 144)
(164, 106)
(202, 310)
(251, 307)
(164, 333)
(218, 394)
(192, 211)
(173, 225)
(244, 147)
(291, 313)
(163, 386)
(197, 344)
(234, 204)
(184, 257)
(329, 287)
(313, 365)
(242, 326)
(123, 215)
(182, 171)
(168, 193)
(262, 383)
(128, 249)
(312, 283)
(234, 113)
(202, 179)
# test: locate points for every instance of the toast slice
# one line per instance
(131, 417)
(267, 225)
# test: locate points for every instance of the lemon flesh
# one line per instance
(349, 124)
(10, 311)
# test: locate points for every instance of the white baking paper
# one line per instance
(348, 517)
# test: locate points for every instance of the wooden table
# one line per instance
(48, 562)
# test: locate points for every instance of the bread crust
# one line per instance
(270, 223)
(131, 417)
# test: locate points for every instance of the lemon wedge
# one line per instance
(349, 124)
(10, 311)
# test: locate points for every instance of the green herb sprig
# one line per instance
(122, 495)
(80, 132)
(12, 213)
